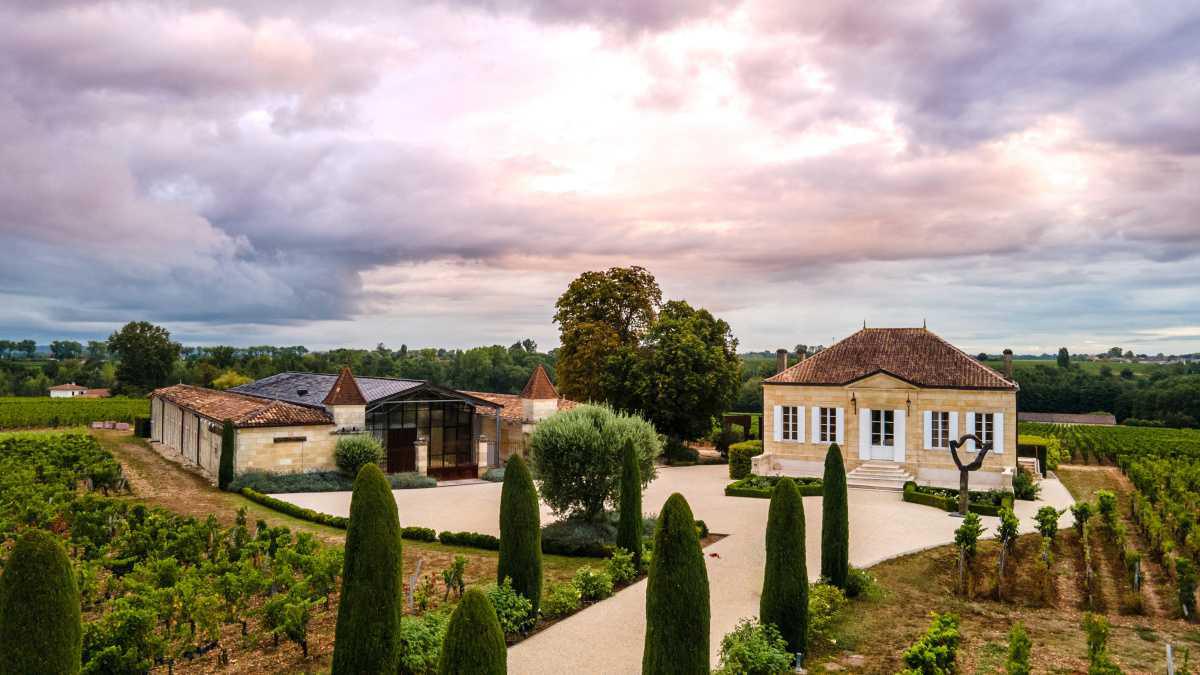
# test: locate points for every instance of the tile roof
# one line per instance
(510, 404)
(242, 410)
(316, 387)
(539, 385)
(67, 387)
(345, 390)
(914, 355)
(97, 393)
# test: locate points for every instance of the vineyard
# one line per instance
(158, 588)
(23, 412)
(1163, 466)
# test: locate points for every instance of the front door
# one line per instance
(401, 450)
(883, 434)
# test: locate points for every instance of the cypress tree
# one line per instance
(367, 638)
(835, 520)
(40, 625)
(629, 529)
(228, 443)
(677, 611)
(520, 533)
(474, 643)
(784, 601)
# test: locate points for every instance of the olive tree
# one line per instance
(576, 456)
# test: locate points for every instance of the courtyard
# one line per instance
(882, 526)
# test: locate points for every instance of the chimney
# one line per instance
(1008, 363)
(781, 360)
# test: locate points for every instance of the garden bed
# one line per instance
(762, 486)
(986, 503)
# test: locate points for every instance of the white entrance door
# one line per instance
(883, 434)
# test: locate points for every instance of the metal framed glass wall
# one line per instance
(447, 426)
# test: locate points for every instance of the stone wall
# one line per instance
(885, 393)
(183, 434)
(286, 449)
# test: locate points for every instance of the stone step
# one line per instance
(881, 470)
(878, 475)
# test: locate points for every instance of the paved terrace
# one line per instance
(881, 527)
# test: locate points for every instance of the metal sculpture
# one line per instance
(964, 470)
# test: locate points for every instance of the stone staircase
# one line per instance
(878, 475)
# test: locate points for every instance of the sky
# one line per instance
(434, 173)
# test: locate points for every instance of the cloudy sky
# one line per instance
(1021, 174)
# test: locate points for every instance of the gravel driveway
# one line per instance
(607, 637)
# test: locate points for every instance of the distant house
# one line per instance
(1068, 418)
(72, 390)
(893, 399)
(290, 422)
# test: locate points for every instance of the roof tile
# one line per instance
(915, 355)
(539, 385)
(242, 410)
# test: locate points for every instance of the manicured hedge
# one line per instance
(761, 487)
(269, 482)
(739, 458)
(288, 508)
(947, 500)
(472, 539)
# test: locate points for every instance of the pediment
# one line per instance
(881, 379)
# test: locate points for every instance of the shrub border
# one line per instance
(913, 496)
(738, 488)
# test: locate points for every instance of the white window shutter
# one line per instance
(901, 436)
(928, 416)
(799, 424)
(953, 427)
(815, 431)
(998, 433)
(841, 426)
(970, 430)
(864, 433)
(777, 421)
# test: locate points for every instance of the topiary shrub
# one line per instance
(677, 606)
(576, 456)
(784, 601)
(739, 458)
(835, 520)
(578, 538)
(367, 637)
(474, 642)
(228, 449)
(629, 529)
(494, 475)
(352, 453)
(520, 533)
(40, 624)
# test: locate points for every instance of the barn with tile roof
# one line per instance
(893, 399)
(291, 422)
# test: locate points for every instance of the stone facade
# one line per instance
(909, 403)
(286, 449)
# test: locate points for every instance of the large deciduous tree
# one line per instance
(688, 371)
(146, 355)
(598, 314)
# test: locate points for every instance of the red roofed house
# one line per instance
(70, 390)
(290, 422)
(892, 398)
